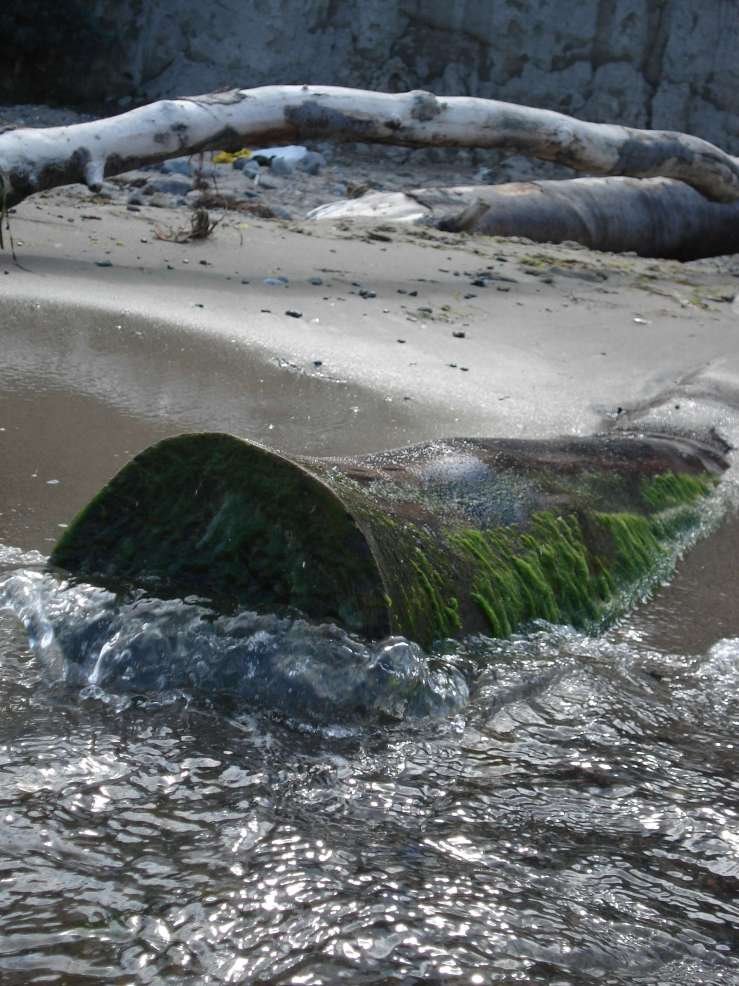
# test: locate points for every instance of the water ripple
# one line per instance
(574, 819)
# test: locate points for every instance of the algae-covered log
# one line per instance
(432, 541)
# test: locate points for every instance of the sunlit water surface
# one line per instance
(195, 799)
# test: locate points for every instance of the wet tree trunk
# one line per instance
(432, 541)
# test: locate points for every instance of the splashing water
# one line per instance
(551, 810)
(86, 636)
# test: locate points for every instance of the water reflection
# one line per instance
(574, 822)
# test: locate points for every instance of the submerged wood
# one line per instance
(32, 160)
(432, 541)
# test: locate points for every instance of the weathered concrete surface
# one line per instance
(667, 64)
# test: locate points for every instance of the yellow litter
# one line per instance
(226, 157)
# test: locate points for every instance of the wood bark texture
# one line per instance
(32, 160)
(653, 217)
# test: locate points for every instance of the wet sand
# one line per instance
(99, 361)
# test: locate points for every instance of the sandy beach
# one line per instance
(332, 338)
(578, 806)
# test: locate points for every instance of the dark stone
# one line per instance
(173, 185)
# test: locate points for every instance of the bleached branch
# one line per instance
(32, 160)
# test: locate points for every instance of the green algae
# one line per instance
(573, 569)
(545, 574)
(669, 490)
(215, 516)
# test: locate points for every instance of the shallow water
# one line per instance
(251, 799)
(187, 798)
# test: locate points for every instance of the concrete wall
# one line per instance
(669, 64)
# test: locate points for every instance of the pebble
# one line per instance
(459, 335)
(173, 185)
(103, 263)
(367, 293)
(266, 181)
(312, 163)
(282, 167)
(162, 201)
(249, 168)
(176, 166)
(294, 313)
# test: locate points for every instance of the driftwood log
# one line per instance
(432, 541)
(653, 217)
(32, 160)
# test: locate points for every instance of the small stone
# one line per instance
(282, 167)
(459, 335)
(367, 293)
(294, 313)
(401, 340)
(250, 169)
(479, 282)
(176, 166)
(317, 362)
(312, 163)
(269, 181)
(103, 263)
(162, 201)
(174, 185)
